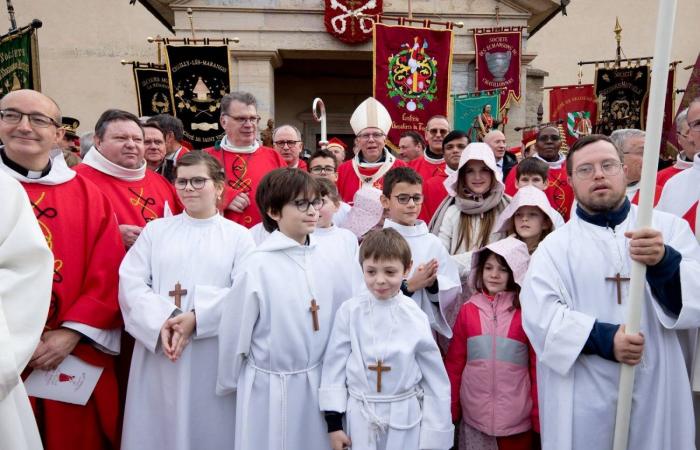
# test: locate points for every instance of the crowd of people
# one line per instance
(446, 294)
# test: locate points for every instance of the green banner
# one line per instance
(467, 108)
(19, 68)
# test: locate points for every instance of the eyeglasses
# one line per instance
(35, 119)
(440, 131)
(376, 136)
(318, 170)
(609, 168)
(549, 138)
(283, 144)
(242, 120)
(405, 198)
(304, 204)
(196, 183)
(695, 126)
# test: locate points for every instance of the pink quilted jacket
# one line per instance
(491, 364)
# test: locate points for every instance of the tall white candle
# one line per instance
(662, 58)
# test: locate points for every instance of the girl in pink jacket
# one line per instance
(490, 361)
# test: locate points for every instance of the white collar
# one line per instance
(553, 164)
(418, 229)
(97, 161)
(433, 160)
(449, 171)
(681, 163)
(59, 173)
(226, 146)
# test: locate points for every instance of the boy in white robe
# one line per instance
(574, 299)
(173, 283)
(382, 368)
(275, 329)
(433, 283)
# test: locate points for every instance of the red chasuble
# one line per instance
(349, 183)
(559, 192)
(80, 228)
(135, 202)
(434, 193)
(243, 174)
(427, 169)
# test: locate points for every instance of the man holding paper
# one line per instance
(83, 323)
(575, 297)
(25, 289)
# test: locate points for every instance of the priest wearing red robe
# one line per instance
(287, 141)
(174, 133)
(686, 153)
(559, 192)
(244, 159)
(79, 225)
(434, 192)
(117, 166)
(371, 123)
(432, 163)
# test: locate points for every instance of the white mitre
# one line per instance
(370, 113)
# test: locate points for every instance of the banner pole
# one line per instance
(11, 12)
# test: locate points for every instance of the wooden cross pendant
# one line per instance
(618, 279)
(314, 314)
(379, 368)
(177, 293)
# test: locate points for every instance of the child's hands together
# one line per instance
(339, 440)
(424, 276)
(176, 333)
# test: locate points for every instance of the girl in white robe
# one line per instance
(407, 404)
(171, 401)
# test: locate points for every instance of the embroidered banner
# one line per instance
(576, 107)
(621, 93)
(152, 90)
(199, 77)
(667, 132)
(342, 21)
(19, 61)
(411, 75)
(468, 107)
(498, 53)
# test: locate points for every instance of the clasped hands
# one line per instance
(176, 333)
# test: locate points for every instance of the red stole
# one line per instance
(244, 171)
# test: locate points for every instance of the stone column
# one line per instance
(254, 72)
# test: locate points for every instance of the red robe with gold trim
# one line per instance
(559, 192)
(243, 174)
(79, 224)
(135, 202)
(348, 182)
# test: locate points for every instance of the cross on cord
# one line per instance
(177, 293)
(314, 314)
(379, 368)
(618, 280)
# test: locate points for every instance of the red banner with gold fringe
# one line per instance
(498, 52)
(577, 108)
(412, 68)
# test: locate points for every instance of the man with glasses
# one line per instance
(574, 303)
(323, 164)
(559, 192)
(174, 132)
(686, 153)
(154, 146)
(371, 122)
(432, 163)
(79, 225)
(287, 141)
(116, 164)
(681, 193)
(244, 159)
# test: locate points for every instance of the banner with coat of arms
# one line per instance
(343, 22)
(621, 93)
(576, 107)
(19, 61)
(411, 75)
(152, 90)
(467, 108)
(200, 75)
(498, 52)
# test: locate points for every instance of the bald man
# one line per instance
(79, 224)
(504, 160)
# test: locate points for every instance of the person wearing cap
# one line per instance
(338, 148)
(70, 140)
(371, 122)
(466, 219)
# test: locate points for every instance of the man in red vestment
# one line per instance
(116, 165)
(287, 141)
(687, 151)
(174, 133)
(434, 191)
(559, 192)
(411, 146)
(245, 161)
(79, 225)
(432, 163)
(371, 122)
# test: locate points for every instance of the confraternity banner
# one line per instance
(467, 108)
(411, 75)
(19, 61)
(199, 78)
(152, 90)
(621, 93)
(498, 53)
(576, 107)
